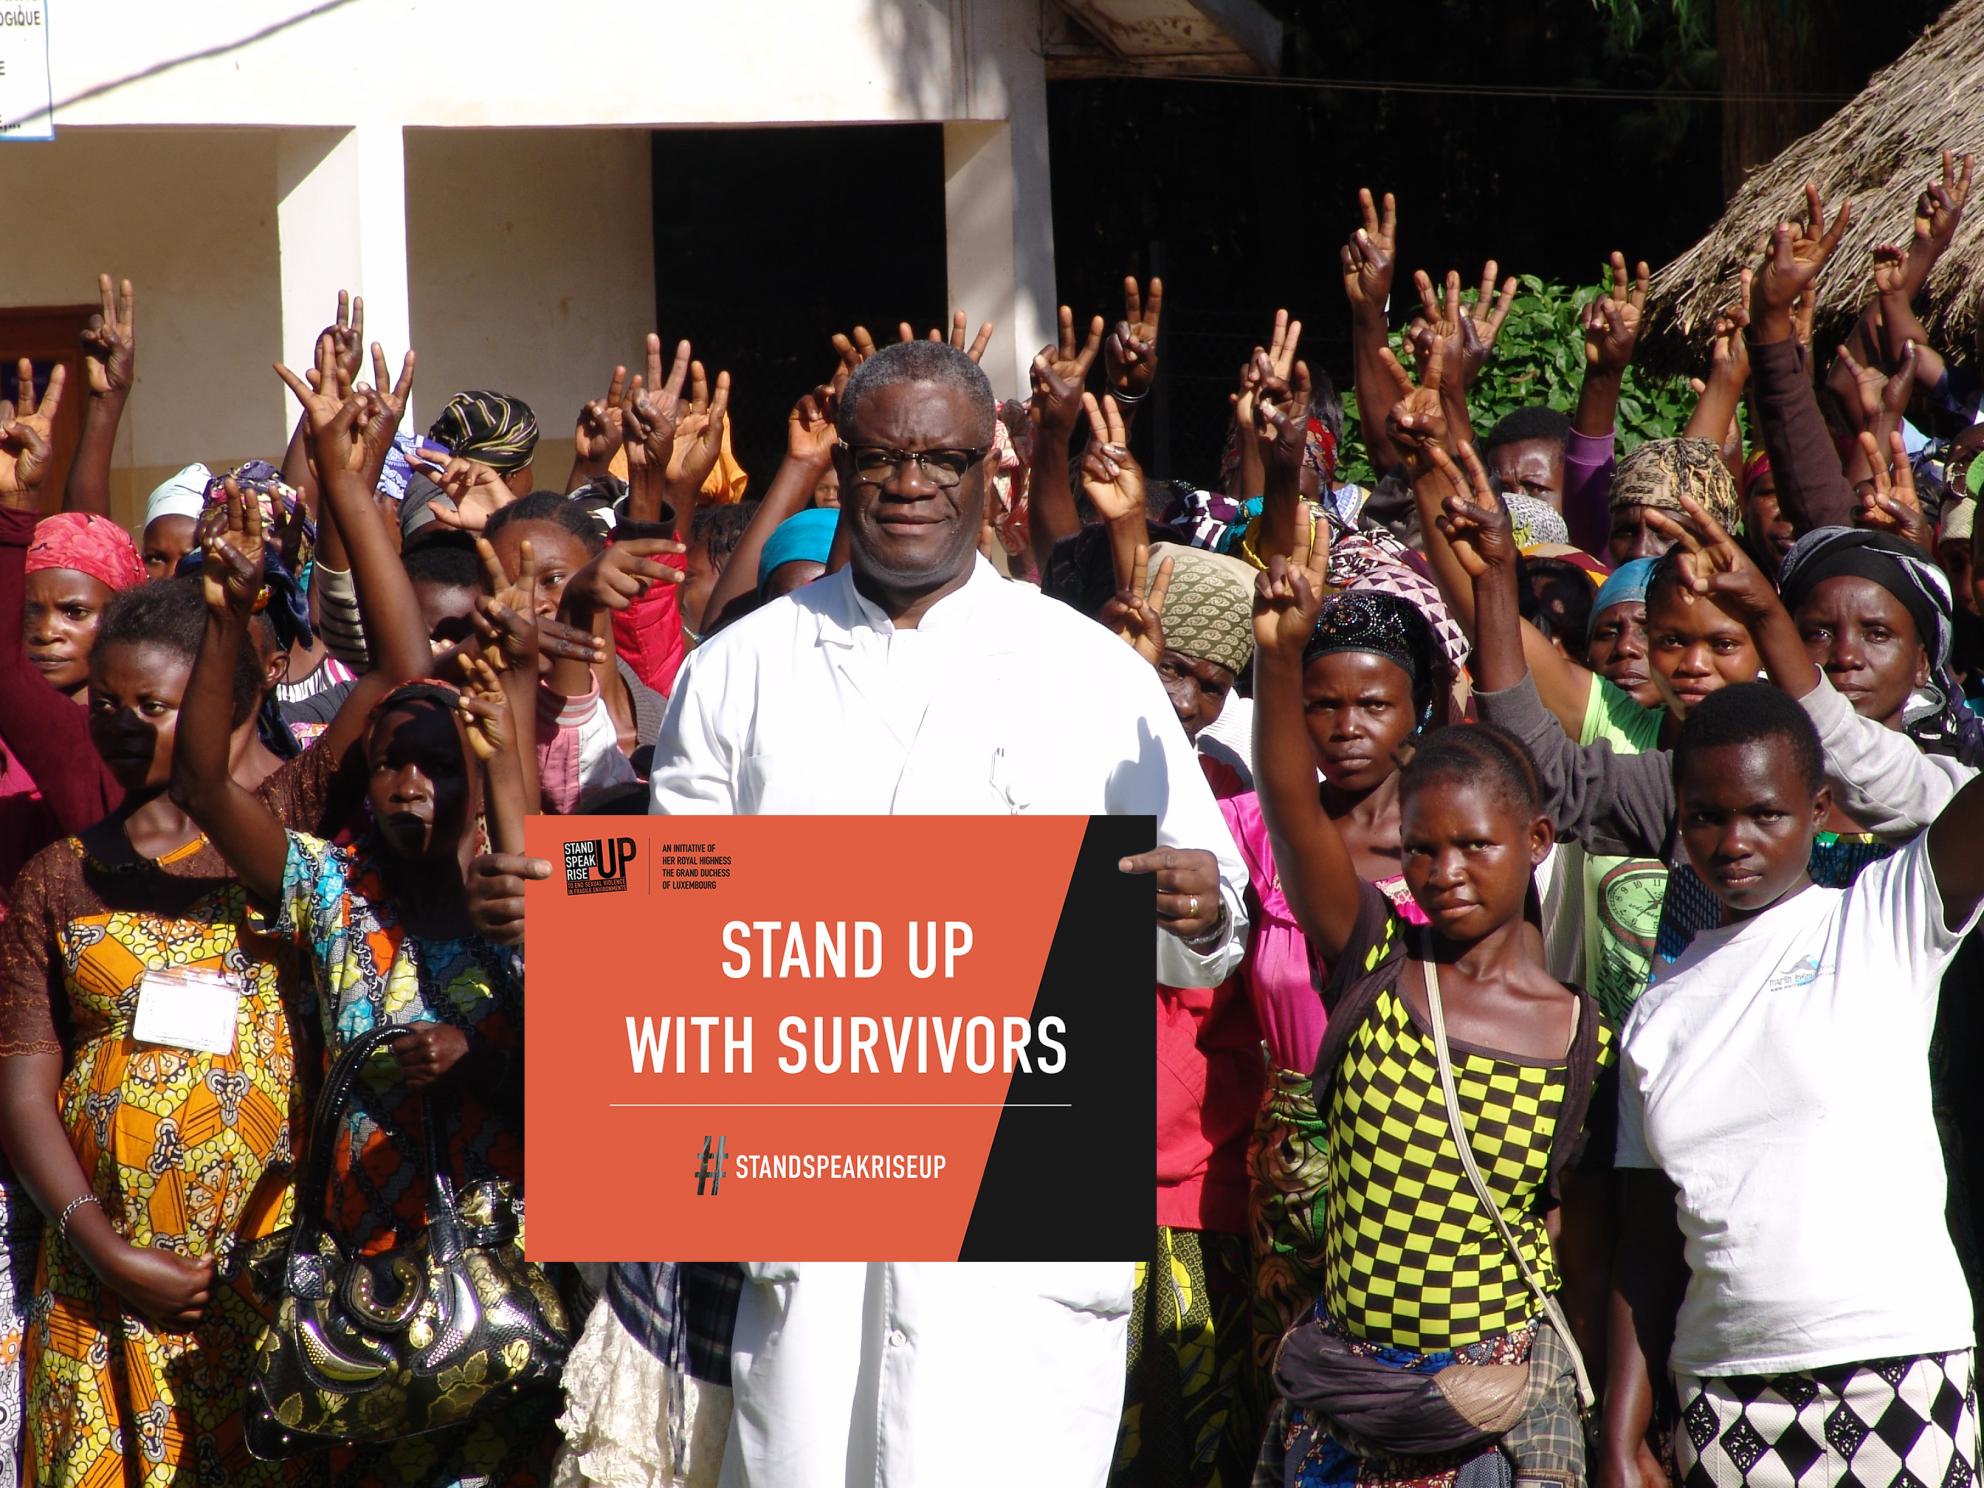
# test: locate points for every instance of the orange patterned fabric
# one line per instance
(186, 1151)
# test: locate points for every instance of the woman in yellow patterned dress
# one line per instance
(155, 1162)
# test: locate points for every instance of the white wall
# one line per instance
(189, 217)
(516, 63)
(530, 263)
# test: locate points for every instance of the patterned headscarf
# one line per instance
(1935, 716)
(499, 431)
(88, 544)
(1754, 469)
(1535, 522)
(1660, 471)
(285, 602)
(1209, 611)
(1381, 624)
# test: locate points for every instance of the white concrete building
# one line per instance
(241, 160)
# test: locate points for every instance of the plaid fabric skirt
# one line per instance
(1886, 1423)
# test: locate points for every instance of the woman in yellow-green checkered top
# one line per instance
(1438, 1353)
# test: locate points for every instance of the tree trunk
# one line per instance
(1775, 47)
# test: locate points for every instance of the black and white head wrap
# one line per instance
(1935, 717)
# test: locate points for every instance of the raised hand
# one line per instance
(383, 405)
(1938, 211)
(853, 350)
(1111, 477)
(347, 335)
(1277, 357)
(1286, 607)
(1370, 257)
(1059, 374)
(485, 709)
(1612, 321)
(110, 345)
(1793, 261)
(27, 440)
(477, 492)
(1137, 613)
(1418, 420)
(1713, 564)
(1486, 316)
(810, 432)
(1888, 499)
(601, 428)
(975, 350)
(1729, 350)
(698, 437)
(335, 443)
(1130, 354)
(1473, 519)
(233, 554)
(622, 574)
(1281, 418)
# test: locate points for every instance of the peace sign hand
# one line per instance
(1131, 351)
(1796, 254)
(1111, 477)
(1418, 417)
(110, 343)
(27, 439)
(1137, 613)
(1281, 416)
(1473, 519)
(1889, 502)
(601, 428)
(1714, 566)
(1370, 258)
(1612, 321)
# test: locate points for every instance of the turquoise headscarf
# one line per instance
(1626, 586)
(807, 537)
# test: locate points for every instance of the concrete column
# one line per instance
(341, 224)
(999, 237)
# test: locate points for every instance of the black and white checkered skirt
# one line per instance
(1886, 1423)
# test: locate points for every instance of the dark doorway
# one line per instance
(767, 241)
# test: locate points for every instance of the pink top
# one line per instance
(1279, 971)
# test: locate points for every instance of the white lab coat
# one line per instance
(1001, 700)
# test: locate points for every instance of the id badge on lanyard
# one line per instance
(184, 1007)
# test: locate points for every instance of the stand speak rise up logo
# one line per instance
(598, 866)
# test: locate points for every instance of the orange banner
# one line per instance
(818, 1038)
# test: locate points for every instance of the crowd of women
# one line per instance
(1588, 1104)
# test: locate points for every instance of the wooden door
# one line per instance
(49, 337)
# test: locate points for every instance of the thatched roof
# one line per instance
(1878, 152)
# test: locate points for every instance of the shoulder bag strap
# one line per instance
(1550, 1307)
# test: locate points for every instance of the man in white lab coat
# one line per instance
(918, 681)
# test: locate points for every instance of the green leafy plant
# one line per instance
(1539, 358)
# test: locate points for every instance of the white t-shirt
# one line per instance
(1778, 1074)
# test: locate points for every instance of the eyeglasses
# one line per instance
(943, 468)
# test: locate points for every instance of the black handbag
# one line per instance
(368, 1348)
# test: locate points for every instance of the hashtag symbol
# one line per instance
(709, 1169)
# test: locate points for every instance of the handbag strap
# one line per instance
(1550, 1306)
(332, 1103)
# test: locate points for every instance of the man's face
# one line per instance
(1531, 467)
(909, 532)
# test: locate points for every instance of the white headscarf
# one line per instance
(184, 495)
